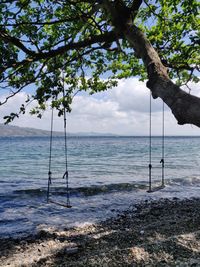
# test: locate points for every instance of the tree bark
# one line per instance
(185, 107)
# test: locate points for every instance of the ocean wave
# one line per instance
(185, 181)
(14, 220)
(107, 188)
(83, 191)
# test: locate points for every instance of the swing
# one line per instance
(66, 174)
(150, 190)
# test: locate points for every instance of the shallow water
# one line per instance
(106, 175)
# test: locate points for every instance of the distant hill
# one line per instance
(8, 130)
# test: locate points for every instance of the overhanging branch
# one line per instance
(94, 39)
(185, 107)
(15, 41)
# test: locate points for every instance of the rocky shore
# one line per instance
(152, 233)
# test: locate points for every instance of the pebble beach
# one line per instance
(151, 233)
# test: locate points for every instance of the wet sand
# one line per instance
(152, 233)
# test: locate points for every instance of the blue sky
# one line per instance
(122, 110)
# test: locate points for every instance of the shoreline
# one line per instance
(163, 232)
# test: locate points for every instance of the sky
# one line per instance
(123, 110)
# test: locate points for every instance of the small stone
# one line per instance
(62, 239)
(71, 250)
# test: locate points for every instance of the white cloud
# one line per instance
(122, 110)
(133, 95)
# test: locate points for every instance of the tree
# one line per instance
(91, 44)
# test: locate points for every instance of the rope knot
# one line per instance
(162, 161)
(65, 175)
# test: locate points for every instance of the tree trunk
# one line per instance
(185, 107)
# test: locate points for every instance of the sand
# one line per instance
(152, 233)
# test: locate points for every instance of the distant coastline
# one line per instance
(15, 131)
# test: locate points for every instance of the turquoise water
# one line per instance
(106, 175)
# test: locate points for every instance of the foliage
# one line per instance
(47, 44)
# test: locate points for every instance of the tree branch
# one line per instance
(135, 7)
(15, 41)
(101, 38)
(184, 106)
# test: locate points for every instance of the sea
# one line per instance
(107, 175)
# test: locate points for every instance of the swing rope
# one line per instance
(66, 174)
(50, 157)
(150, 146)
(150, 141)
(163, 146)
